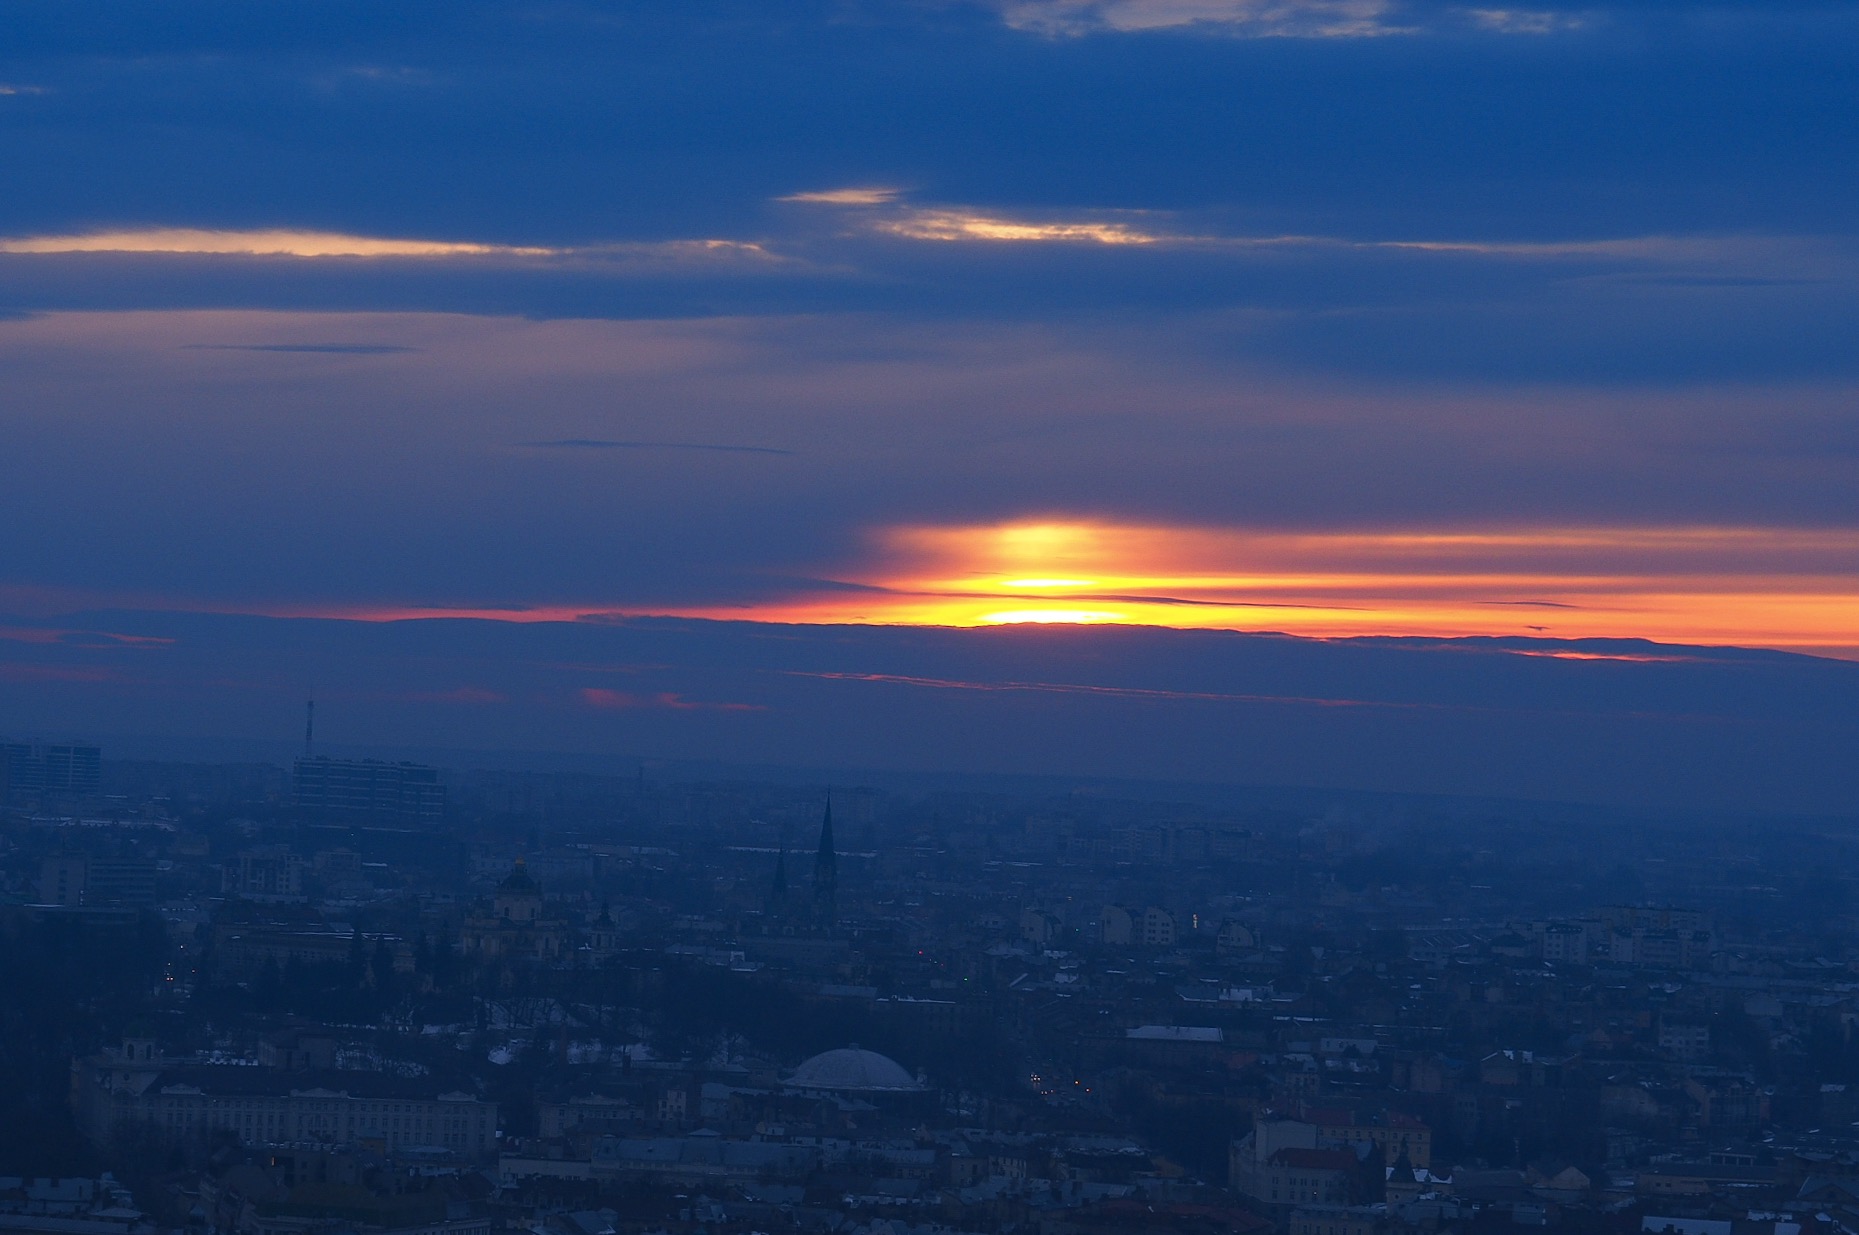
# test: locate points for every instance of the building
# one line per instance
(1306, 1177)
(367, 789)
(1685, 1040)
(267, 873)
(702, 1159)
(73, 769)
(516, 926)
(1565, 943)
(1174, 1045)
(132, 1091)
(1235, 936)
(1395, 1134)
(74, 879)
(852, 1071)
(1288, 1162)
(1158, 928)
(1335, 1220)
(245, 949)
(1039, 927)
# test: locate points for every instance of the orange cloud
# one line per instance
(1758, 587)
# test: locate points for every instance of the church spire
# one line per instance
(826, 871)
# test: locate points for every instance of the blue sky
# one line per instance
(706, 309)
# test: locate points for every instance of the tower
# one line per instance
(826, 873)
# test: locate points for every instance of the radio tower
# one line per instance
(309, 726)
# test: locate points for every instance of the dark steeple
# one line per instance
(826, 872)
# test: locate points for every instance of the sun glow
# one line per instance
(1075, 617)
(1754, 587)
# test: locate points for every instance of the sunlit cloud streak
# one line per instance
(970, 225)
(1758, 587)
(294, 243)
(1805, 258)
(265, 243)
(855, 195)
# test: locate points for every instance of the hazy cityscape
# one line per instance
(359, 995)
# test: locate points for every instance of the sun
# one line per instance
(1080, 617)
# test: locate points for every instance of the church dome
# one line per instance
(850, 1070)
(519, 880)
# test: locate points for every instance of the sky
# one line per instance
(1333, 318)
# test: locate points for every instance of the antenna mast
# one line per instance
(309, 726)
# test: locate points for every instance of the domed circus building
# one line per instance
(850, 1070)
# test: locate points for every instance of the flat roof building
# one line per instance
(368, 789)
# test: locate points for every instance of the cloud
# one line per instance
(1115, 692)
(955, 224)
(1742, 259)
(265, 243)
(1319, 19)
(333, 349)
(1727, 586)
(619, 700)
(854, 196)
(79, 638)
(1526, 21)
(1298, 19)
(285, 242)
(1176, 480)
(711, 251)
(583, 443)
(1632, 658)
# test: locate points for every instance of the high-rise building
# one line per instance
(72, 767)
(368, 789)
(65, 768)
